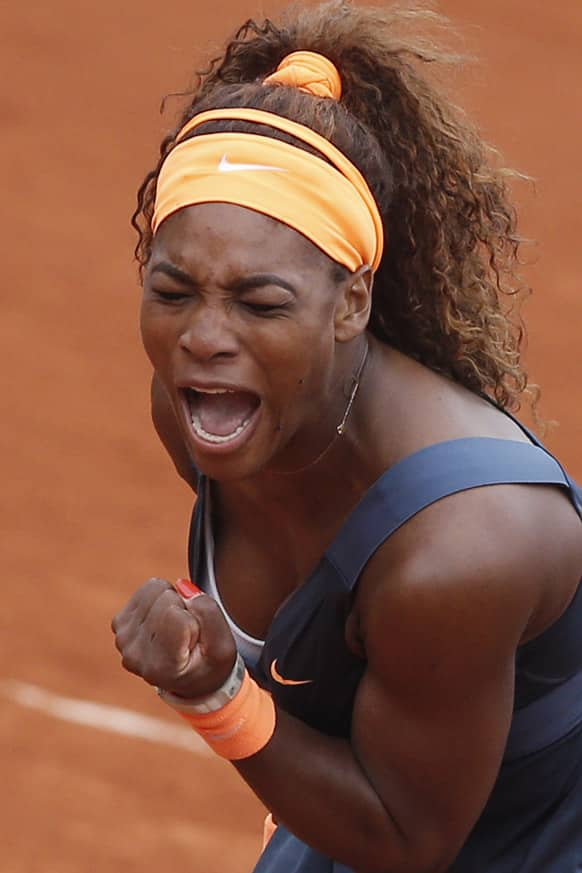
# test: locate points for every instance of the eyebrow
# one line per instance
(260, 280)
(246, 283)
(174, 273)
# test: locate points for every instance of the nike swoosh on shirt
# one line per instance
(226, 166)
(281, 679)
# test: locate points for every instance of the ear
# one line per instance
(353, 306)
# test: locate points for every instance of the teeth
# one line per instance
(213, 390)
(216, 438)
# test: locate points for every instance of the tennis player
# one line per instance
(388, 646)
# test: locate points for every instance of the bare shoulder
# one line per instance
(498, 563)
(512, 550)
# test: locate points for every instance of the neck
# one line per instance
(340, 472)
(341, 427)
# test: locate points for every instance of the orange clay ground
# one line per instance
(91, 506)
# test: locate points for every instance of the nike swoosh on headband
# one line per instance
(226, 166)
(281, 679)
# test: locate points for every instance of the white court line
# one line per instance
(114, 719)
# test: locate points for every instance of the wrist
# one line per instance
(209, 702)
(237, 729)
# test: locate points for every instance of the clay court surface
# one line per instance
(91, 507)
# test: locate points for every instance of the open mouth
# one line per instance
(220, 415)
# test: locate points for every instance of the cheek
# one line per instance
(156, 333)
(299, 361)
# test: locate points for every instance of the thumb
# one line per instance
(215, 643)
(187, 589)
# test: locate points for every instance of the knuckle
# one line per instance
(119, 619)
(162, 605)
(154, 582)
(119, 645)
(134, 657)
(165, 623)
(205, 604)
(131, 662)
(122, 639)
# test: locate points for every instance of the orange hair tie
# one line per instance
(309, 72)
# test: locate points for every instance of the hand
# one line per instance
(182, 646)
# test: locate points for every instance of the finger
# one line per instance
(167, 598)
(140, 602)
(132, 658)
(159, 649)
(176, 636)
(187, 589)
(215, 643)
(171, 628)
(143, 600)
(192, 670)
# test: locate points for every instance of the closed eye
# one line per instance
(170, 296)
(265, 308)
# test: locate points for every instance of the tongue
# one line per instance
(221, 414)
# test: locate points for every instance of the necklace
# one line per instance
(340, 428)
(355, 385)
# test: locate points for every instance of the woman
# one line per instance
(326, 247)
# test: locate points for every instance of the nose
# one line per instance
(209, 334)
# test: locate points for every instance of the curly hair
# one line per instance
(447, 290)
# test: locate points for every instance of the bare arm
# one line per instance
(439, 625)
(430, 721)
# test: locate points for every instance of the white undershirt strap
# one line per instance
(249, 647)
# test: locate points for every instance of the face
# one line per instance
(248, 330)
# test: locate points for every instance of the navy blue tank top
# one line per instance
(532, 822)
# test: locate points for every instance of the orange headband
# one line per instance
(331, 204)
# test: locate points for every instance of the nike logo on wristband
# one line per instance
(281, 679)
(226, 166)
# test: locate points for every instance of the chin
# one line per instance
(228, 470)
(229, 465)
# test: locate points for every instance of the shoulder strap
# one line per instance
(575, 490)
(426, 477)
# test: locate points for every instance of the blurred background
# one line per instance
(96, 775)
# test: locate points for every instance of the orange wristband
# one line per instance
(242, 727)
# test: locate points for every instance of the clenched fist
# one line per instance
(182, 646)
